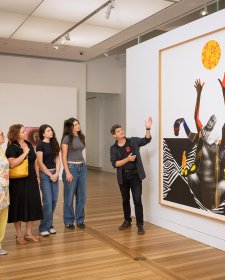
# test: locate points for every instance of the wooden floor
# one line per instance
(101, 251)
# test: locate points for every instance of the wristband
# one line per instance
(148, 128)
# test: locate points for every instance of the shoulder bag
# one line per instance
(19, 171)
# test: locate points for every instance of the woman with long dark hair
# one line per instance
(74, 174)
(25, 200)
(49, 164)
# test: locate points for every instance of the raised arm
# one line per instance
(148, 125)
(199, 86)
(176, 127)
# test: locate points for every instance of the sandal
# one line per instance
(20, 240)
(31, 238)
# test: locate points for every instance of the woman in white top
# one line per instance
(4, 193)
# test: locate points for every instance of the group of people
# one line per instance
(20, 199)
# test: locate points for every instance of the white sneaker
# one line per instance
(44, 233)
(3, 252)
(52, 230)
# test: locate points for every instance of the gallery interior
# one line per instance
(107, 62)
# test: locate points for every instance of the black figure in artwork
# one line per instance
(206, 174)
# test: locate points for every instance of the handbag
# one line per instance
(19, 171)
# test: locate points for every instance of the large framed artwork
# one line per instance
(192, 125)
(33, 135)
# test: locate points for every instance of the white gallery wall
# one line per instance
(106, 102)
(142, 100)
(103, 110)
(52, 76)
(93, 137)
(33, 105)
(113, 111)
(104, 75)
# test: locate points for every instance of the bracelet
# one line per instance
(148, 128)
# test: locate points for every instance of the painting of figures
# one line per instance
(192, 125)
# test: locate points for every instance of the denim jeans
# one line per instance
(50, 191)
(78, 188)
(132, 182)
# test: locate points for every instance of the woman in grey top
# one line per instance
(74, 174)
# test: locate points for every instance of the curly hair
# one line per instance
(68, 130)
(13, 133)
(53, 141)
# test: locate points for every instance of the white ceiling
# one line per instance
(29, 27)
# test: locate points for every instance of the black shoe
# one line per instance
(125, 225)
(140, 229)
(81, 225)
(70, 226)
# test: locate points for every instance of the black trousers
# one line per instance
(132, 182)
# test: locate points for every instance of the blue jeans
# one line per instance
(77, 187)
(50, 191)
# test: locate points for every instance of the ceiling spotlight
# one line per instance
(55, 47)
(67, 37)
(204, 12)
(106, 53)
(110, 6)
(62, 40)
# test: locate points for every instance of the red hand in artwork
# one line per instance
(222, 82)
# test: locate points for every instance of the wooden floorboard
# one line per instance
(101, 251)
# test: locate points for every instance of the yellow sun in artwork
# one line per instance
(211, 54)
